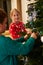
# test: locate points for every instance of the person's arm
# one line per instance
(21, 39)
(14, 48)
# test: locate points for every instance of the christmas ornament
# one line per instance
(42, 39)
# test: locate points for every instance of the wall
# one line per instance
(13, 4)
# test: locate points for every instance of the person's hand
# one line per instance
(29, 31)
(34, 35)
(26, 37)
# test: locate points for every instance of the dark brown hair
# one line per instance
(2, 15)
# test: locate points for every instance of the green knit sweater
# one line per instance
(10, 49)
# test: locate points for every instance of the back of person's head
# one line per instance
(14, 10)
(2, 15)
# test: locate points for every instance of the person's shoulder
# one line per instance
(3, 38)
(12, 24)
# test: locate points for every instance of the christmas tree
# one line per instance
(35, 22)
(35, 14)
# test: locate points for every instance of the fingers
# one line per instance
(34, 35)
(29, 31)
(25, 37)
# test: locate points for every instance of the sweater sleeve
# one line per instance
(15, 48)
(20, 39)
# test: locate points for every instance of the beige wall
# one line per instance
(24, 8)
(13, 4)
